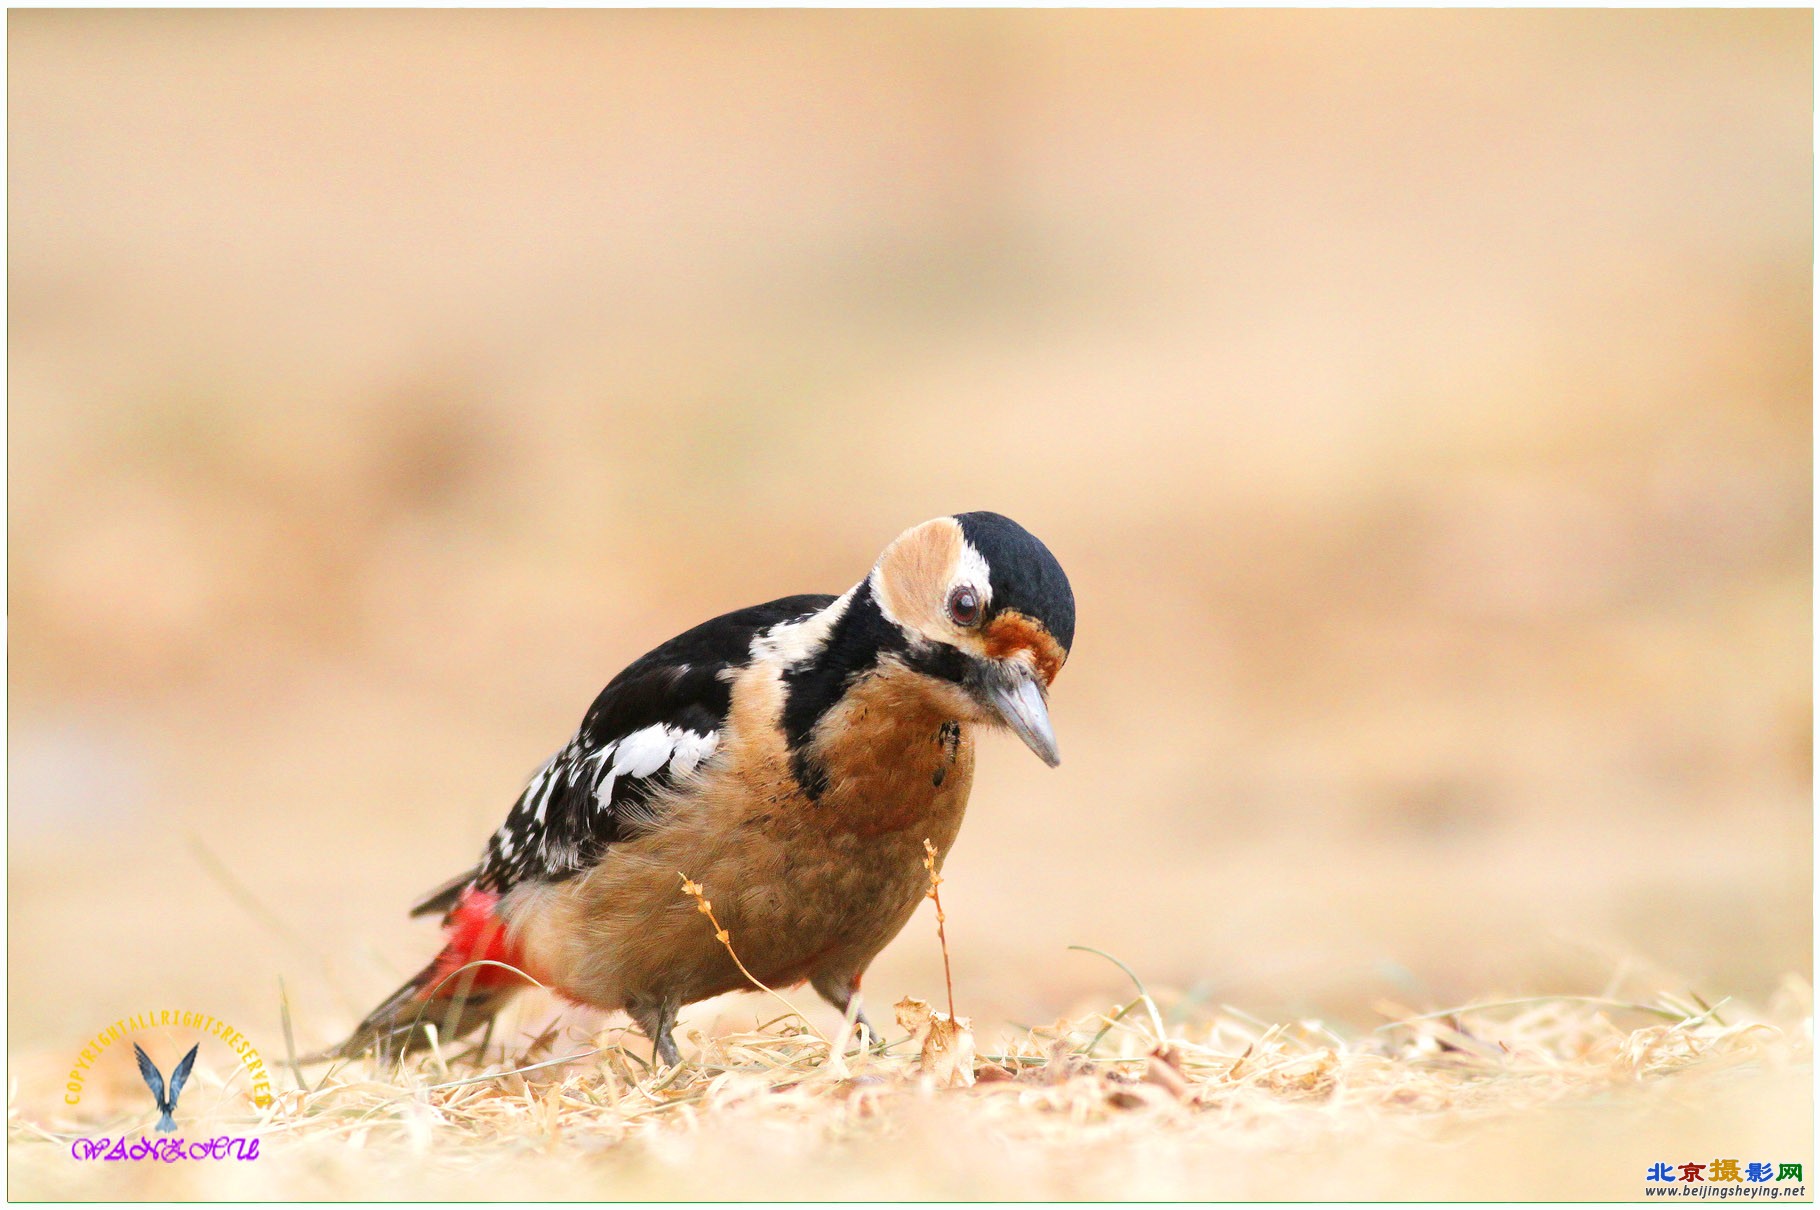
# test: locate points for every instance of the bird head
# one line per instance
(987, 613)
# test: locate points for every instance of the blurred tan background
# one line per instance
(1420, 403)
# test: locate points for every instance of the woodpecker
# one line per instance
(791, 758)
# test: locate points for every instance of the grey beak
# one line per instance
(1020, 703)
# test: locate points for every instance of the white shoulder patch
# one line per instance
(794, 642)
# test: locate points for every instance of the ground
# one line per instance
(1575, 1097)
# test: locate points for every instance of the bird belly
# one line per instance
(805, 888)
(840, 873)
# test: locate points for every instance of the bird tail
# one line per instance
(475, 975)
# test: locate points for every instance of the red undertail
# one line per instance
(474, 934)
(455, 1000)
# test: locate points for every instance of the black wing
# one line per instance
(149, 1071)
(654, 724)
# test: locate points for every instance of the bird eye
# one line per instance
(964, 605)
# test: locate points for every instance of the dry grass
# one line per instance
(1532, 1097)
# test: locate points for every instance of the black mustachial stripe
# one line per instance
(943, 662)
(856, 644)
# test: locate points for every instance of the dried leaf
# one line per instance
(913, 1014)
(1064, 1064)
(1165, 1071)
(948, 1048)
(948, 1051)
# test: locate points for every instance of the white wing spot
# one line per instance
(691, 749)
(526, 842)
(536, 791)
(643, 753)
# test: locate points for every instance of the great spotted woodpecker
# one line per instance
(791, 758)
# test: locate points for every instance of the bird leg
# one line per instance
(843, 994)
(657, 1020)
